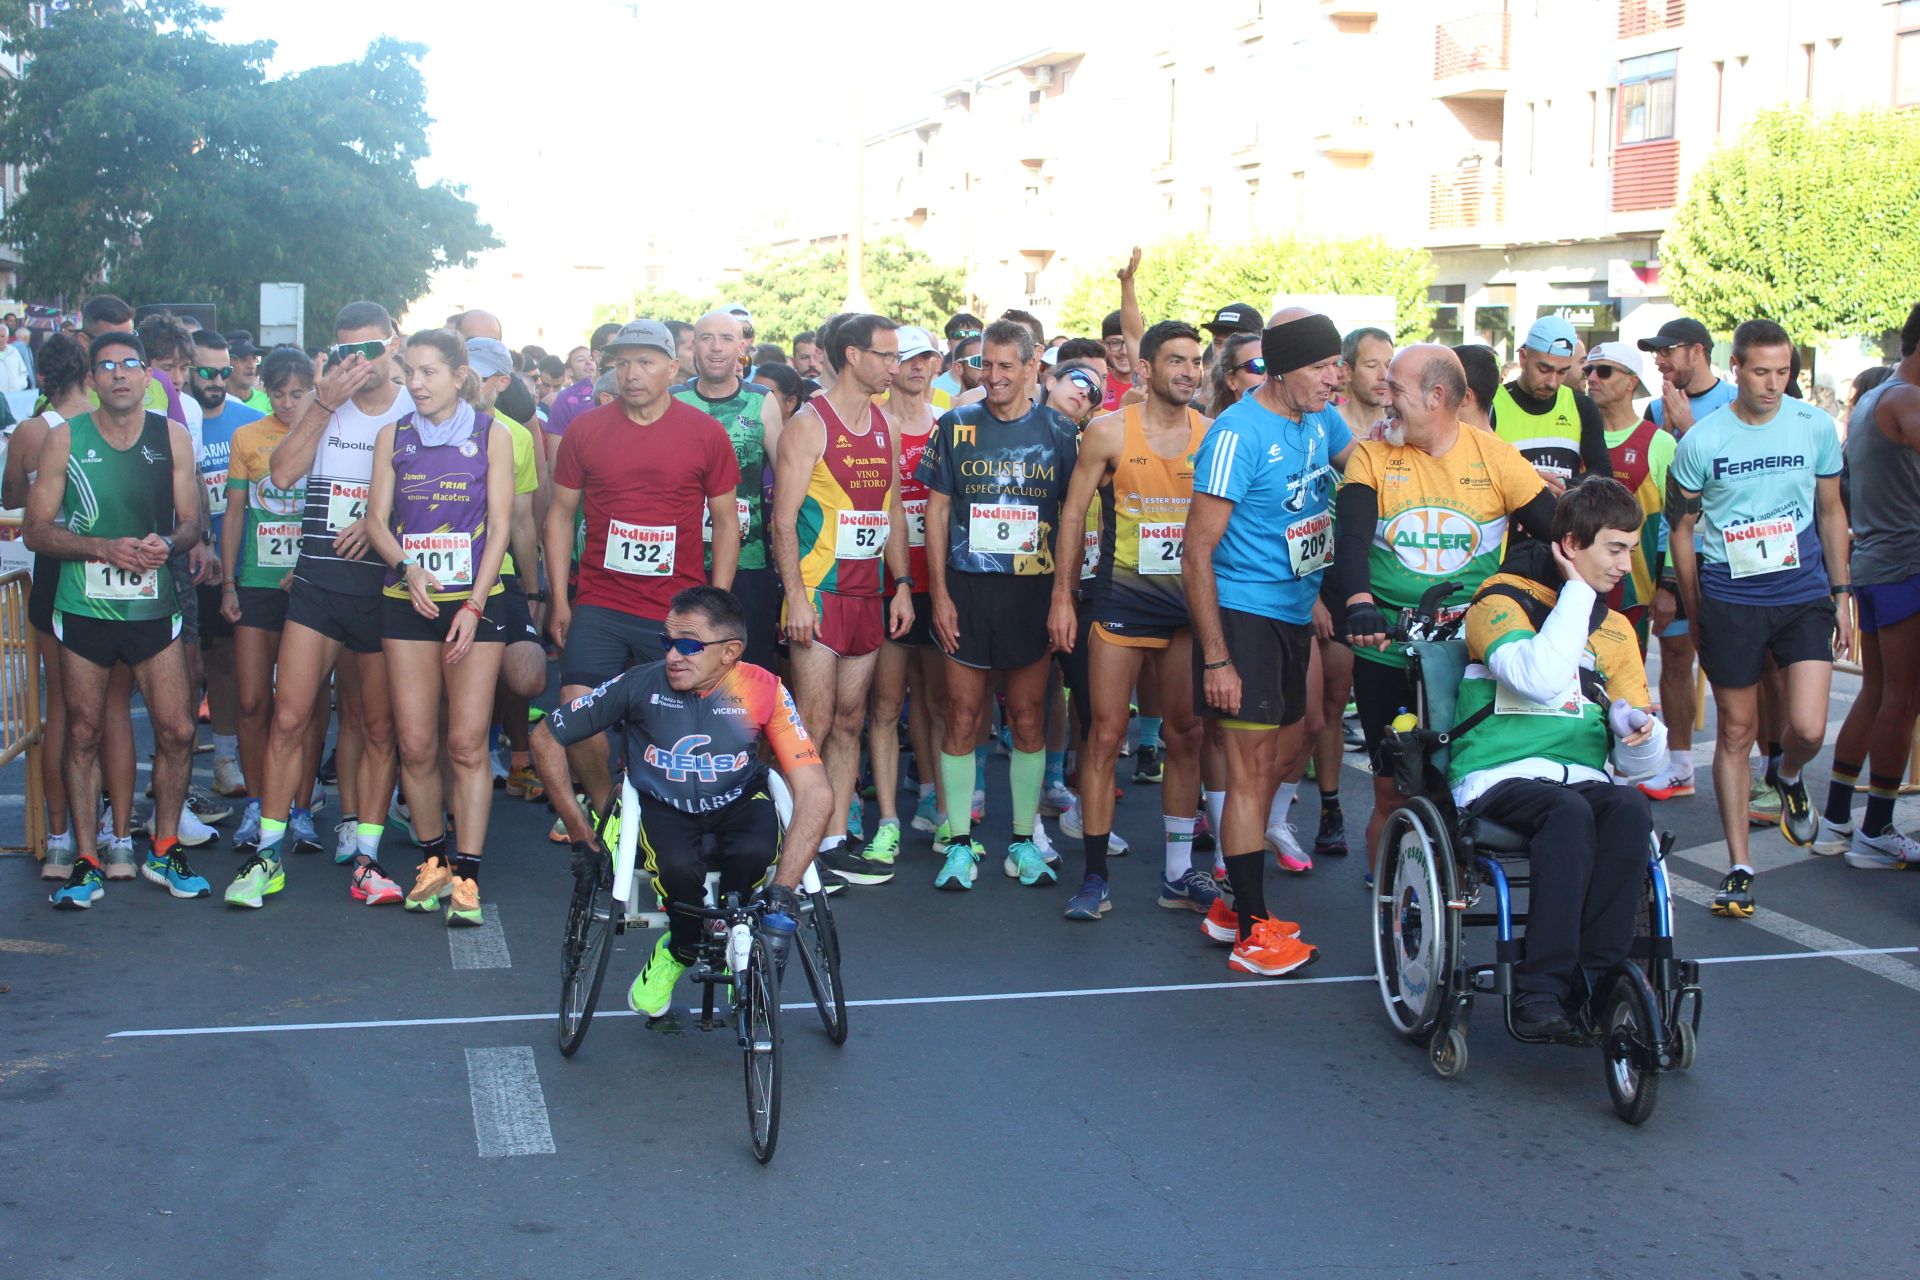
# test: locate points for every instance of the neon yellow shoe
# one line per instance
(652, 992)
(885, 845)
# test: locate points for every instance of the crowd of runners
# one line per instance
(1184, 542)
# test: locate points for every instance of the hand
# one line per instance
(588, 859)
(1663, 610)
(154, 550)
(351, 543)
(781, 900)
(1367, 626)
(420, 588)
(1061, 623)
(900, 614)
(216, 571)
(340, 381)
(802, 622)
(1322, 619)
(127, 553)
(1568, 570)
(198, 565)
(1843, 628)
(1679, 408)
(1125, 273)
(1555, 481)
(1222, 685)
(946, 622)
(559, 621)
(460, 634)
(230, 603)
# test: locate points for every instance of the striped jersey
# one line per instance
(338, 486)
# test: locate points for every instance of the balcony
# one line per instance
(1646, 17)
(1472, 201)
(1472, 56)
(1646, 176)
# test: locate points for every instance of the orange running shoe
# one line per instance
(1271, 953)
(1222, 924)
(430, 881)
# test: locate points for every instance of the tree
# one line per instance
(1806, 220)
(1258, 271)
(1164, 268)
(655, 304)
(793, 292)
(166, 164)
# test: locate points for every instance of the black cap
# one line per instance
(1235, 317)
(240, 344)
(1678, 333)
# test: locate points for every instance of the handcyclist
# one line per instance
(692, 727)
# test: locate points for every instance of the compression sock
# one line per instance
(367, 835)
(1845, 776)
(1179, 846)
(1096, 847)
(1150, 731)
(1282, 802)
(1881, 793)
(1024, 771)
(466, 866)
(226, 746)
(957, 773)
(1245, 872)
(271, 833)
(1056, 769)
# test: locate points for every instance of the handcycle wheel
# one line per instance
(1413, 941)
(820, 957)
(1626, 1027)
(760, 1035)
(583, 958)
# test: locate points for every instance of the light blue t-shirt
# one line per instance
(1717, 396)
(1279, 474)
(1756, 487)
(216, 448)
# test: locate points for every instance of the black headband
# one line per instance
(1299, 343)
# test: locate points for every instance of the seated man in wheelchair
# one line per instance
(1554, 687)
(691, 731)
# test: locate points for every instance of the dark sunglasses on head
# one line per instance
(1256, 365)
(962, 335)
(369, 350)
(1082, 379)
(687, 646)
(126, 362)
(224, 371)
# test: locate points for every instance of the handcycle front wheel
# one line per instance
(583, 959)
(820, 957)
(759, 1014)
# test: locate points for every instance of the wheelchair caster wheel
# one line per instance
(1686, 1041)
(1449, 1055)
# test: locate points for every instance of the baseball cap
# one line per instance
(735, 309)
(914, 341)
(642, 333)
(1050, 357)
(1678, 333)
(1236, 317)
(1553, 336)
(488, 357)
(1622, 356)
(240, 344)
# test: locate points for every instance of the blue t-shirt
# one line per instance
(1756, 486)
(216, 447)
(1717, 396)
(1279, 475)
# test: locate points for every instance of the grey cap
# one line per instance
(488, 357)
(643, 333)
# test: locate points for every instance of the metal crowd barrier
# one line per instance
(20, 722)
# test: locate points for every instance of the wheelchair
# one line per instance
(1439, 873)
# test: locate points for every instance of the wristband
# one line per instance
(1216, 666)
(905, 580)
(331, 409)
(478, 612)
(403, 564)
(1844, 589)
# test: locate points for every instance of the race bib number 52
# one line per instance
(860, 535)
(644, 550)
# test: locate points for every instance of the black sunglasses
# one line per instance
(128, 362)
(1082, 379)
(224, 371)
(1600, 371)
(687, 646)
(1256, 365)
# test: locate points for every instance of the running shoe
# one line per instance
(1734, 897)
(1222, 924)
(1043, 844)
(1351, 736)
(60, 857)
(346, 839)
(1056, 800)
(525, 783)
(961, 866)
(398, 814)
(122, 862)
(1092, 901)
(926, 814)
(328, 773)
(227, 778)
(559, 835)
(1668, 785)
(1203, 840)
(1330, 841)
(1072, 828)
(318, 800)
(1891, 850)
(652, 992)
(1834, 837)
(1798, 821)
(1025, 863)
(463, 904)
(82, 889)
(1191, 891)
(1148, 766)
(371, 884)
(854, 867)
(885, 845)
(300, 833)
(247, 834)
(431, 879)
(499, 771)
(1270, 952)
(257, 878)
(942, 836)
(174, 875)
(192, 831)
(1763, 804)
(979, 807)
(206, 806)
(1287, 852)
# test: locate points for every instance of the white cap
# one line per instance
(1050, 356)
(1622, 355)
(914, 342)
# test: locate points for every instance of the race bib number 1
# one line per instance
(1761, 546)
(1310, 544)
(860, 535)
(346, 503)
(1161, 546)
(110, 582)
(276, 545)
(1003, 528)
(447, 556)
(644, 550)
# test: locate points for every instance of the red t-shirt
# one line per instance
(1116, 387)
(913, 502)
(644, 490)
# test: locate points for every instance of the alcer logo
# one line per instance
(1433, 540)
(685, 759)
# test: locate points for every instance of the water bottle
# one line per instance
(1405, 722)
(739, 947)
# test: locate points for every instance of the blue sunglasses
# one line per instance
(687, 646)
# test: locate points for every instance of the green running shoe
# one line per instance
(957, 873)
(258, 877)
(652, 992)
(885, 845)
(942, 836)
(1763, 804)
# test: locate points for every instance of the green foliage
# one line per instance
(654, 304)
(1164, 268)
(1806, 220)
(166, 163)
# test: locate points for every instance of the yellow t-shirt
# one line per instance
(526, 477)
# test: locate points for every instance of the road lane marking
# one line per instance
(1815, 939)
(509, 1108)
(483, 946)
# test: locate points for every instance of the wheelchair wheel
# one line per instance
(1627, 1029)
(583, 958)
(1449, 1054)
(820, 957)
(1415, 936)
(1686, 1042)
(760, 1045)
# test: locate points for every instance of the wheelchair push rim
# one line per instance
(1412, 937)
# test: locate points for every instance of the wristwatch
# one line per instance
(168, 539)
(403, 564)
(1844, 589)
(904, 580)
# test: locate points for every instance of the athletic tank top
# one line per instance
(1143, 527)
(913, 504)
(270, 545)
(338, 484)
(440, 507)
(117, 493)
(1549, 440)
(44, 564)
(1883, 488)
(842, 524)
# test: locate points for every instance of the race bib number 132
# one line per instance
(644, 550)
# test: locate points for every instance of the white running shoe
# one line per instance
(193, 832)
(499, 771)
(59, 863)
(1833, 838)
(1044, 845)
(1070, 822)
(1286, 849)
(1055, 800)
(1893, 850)
(346, 840)
(227, 779)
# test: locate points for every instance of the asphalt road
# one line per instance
(333, 1094)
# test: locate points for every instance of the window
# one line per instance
(1906, 55)
(1646, 98)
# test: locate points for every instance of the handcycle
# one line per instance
(1433, 868)
(734, 955)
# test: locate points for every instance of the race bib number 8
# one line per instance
(1761, 546)
(216, 483)
(860, 535)
(110, 582)
(1003, 528)
(276, 545)
(741, 508)
(1161, 546)
(644, 550)
(1310, 544)
(447, 556)
(916, 513)
(346, 503)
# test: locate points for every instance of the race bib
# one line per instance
(1310, 544)
(216, 483)
(346, 503)
(1161, 546)
(447, 556)
(644, 550)
(276, 545)
(1761, 546)
(1003, 528)
(110, 582)
(916, 513)
(1508, 703)
(859, 535)
(741, 508)
(1089, 553)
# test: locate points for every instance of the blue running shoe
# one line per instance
(925, 814)
(1192, 891)
(300, 833)
(857, 819)
(247, 834)
(1026, 863)
(82, 889)
(173, 873)
(958, 871)
(1092, 901)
